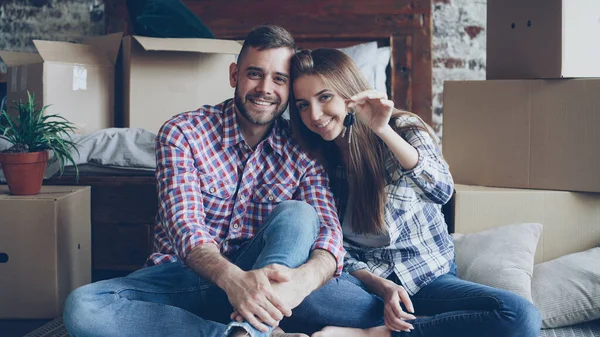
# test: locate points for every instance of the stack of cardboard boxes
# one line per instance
(527, 139)
(115, 81)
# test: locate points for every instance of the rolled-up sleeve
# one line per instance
(431, 176)
(351, 264)
(314, 189)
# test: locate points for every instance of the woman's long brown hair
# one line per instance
(367, 155)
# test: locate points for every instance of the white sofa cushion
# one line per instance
(566, 290)
(501, 257)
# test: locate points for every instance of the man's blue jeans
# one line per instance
(172, 300)
(453, 307)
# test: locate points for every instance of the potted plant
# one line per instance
(33, 136)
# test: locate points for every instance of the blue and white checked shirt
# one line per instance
(420, 247)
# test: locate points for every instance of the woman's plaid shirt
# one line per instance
(421, 248)
(213, 188)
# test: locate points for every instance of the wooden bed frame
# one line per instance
(124, 207)
(405, 25)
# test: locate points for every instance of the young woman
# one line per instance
(390, 181)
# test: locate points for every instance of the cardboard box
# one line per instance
(75, 80)
(542, 39)
(45, 249)
(571, 220)
(165, 77)
(539, 134)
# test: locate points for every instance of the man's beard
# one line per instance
(256, 119)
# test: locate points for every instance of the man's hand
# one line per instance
(294, 285)
(250, 292)
(392, 312)
(291, 292)
(253, 297)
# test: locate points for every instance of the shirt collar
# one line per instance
(232, 135)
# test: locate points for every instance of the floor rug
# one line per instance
(53, 328)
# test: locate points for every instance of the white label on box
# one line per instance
(79, 78)
(13, 79)
(23, 83)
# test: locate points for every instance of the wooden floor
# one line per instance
(19, 327)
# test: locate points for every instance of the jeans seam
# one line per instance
(497, 300)
(186, 290)
(452, 317)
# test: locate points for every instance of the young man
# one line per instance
(246, 222)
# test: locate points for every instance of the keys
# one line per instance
(348, 122)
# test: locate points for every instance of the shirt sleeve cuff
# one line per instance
(337, 252)
(353, 266)
(192, 240)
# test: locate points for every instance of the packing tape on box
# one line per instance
(79, 77)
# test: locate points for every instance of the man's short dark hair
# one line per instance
(267, 37)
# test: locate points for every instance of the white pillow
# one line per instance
(365, 56)
(500, 257)
(566, 290)
(381, 62)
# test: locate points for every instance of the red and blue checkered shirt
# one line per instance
(213, 188)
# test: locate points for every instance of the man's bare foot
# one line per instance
(334, 331)
(280, 333)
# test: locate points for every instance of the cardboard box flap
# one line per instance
(189, 45)
(13, 59)
(108, 44)
(65, 52)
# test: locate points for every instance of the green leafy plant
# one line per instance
(31, 131)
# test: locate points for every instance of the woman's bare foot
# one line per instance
(334, 331)
(280, 333)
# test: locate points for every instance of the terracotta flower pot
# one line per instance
(24, 172)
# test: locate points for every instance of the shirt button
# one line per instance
(212, 190)
(236, 226)
(243, 197)
(271, 198)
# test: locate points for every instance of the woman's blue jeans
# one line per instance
(172, 300)
(452, 307)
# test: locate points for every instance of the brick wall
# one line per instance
(458, 35)
(459, 42)
(60, 20)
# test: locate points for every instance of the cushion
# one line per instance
(126, 148)
(566, 290)
(156, 18)
(364, 56)
(590, 329)
(372, 63)
(501, 257)
(381, 62)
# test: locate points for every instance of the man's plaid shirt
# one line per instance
(420, 247)
(213, 188)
